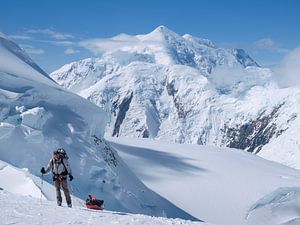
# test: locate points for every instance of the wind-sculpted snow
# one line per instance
(280, 207)
(187, 90)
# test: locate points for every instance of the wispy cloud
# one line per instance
(20, 37)
(58, 43)
(53, 34)
(269, 44)
(264, 43)
(71, 51)
(32, 50)
(119, 42)
(288, 72)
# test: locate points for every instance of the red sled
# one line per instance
(95, 207)
(93, 203)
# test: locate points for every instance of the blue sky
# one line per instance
(49, 30)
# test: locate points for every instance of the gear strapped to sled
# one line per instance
(93, 203)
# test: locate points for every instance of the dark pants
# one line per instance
(64, 184)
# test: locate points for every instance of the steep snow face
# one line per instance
(224, 186)
(37, 116)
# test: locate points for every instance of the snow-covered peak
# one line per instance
(161, 33)
(164, 46)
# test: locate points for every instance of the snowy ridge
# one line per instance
(10, 53)
(183, 89)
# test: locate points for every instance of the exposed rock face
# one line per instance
(252, 136)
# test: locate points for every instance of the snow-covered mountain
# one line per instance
(37, 116)
(185, 89)
(193, 182)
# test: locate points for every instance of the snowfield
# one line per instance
(220, 186)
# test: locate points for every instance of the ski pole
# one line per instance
(42, 182)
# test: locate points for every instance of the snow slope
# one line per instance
(16, 209)
(184, 89)
(21, 182)
(37, 116)
(224, 186)
(21, 202)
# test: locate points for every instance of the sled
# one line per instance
(93, 203)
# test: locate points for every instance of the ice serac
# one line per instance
(187, 90)
(38, 116)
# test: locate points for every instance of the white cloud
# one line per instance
(32, 50)
(20, 37)
(288, 72)
(71, 51)
(58, 43)
(119, 42)
(54, 34)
